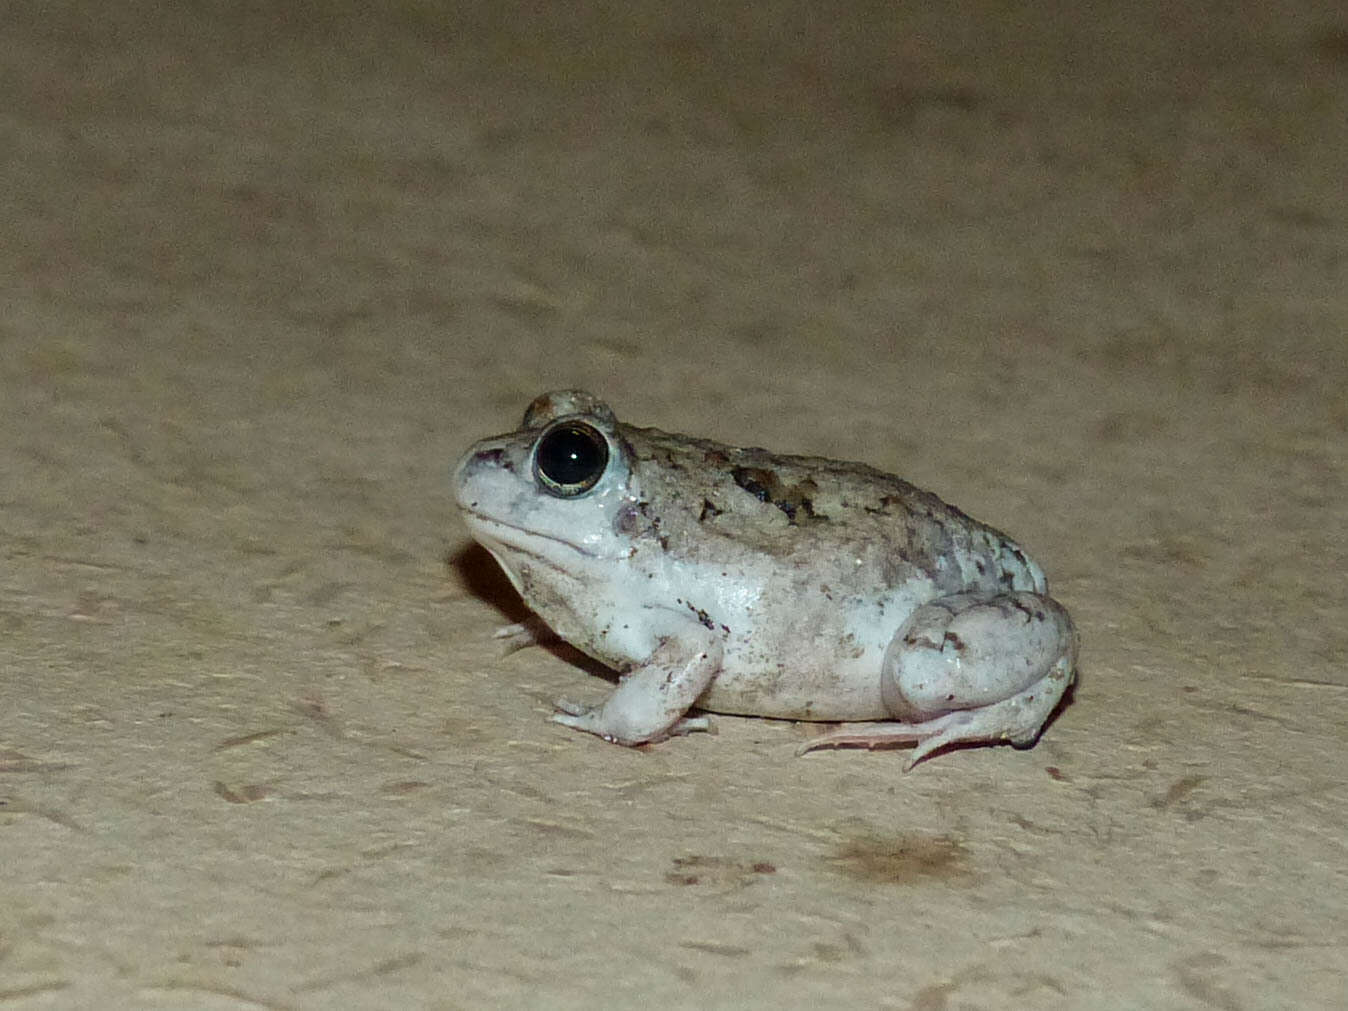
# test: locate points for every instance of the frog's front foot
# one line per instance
(650, 702)
(971, 667)
(590, 719)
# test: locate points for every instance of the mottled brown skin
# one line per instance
(785, 505)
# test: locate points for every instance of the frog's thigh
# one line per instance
(970, 651)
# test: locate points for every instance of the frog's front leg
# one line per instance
(971, 667)
(650, 700)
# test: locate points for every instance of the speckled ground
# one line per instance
(1082, 272)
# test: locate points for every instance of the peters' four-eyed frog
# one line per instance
(742, 581)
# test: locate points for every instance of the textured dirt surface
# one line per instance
(265, 275)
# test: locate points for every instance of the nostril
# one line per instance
(495, 458)
(477, 463)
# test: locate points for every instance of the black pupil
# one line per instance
(572, 458)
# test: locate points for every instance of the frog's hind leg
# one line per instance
(1016, 719)
(971, 667)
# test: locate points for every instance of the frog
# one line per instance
(723, 579)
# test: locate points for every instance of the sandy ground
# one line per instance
(1083, 273)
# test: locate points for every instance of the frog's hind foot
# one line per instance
(1016, 720)
(928, 736)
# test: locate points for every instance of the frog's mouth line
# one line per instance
(524, 540)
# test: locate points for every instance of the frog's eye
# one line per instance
(570, 459)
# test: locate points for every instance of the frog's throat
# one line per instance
(498, 536)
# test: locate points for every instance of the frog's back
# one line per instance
(818, 513)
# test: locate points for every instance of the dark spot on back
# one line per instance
(757, 481)
(795, 501)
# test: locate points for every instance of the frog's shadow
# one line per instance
(484, 579)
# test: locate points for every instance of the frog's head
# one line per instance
(557, 500)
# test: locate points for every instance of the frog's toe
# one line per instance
(523, 634)
(565, 707)
(929, 736)
(588, 719)
(869, 735)
(599, 721)
(693, 725)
